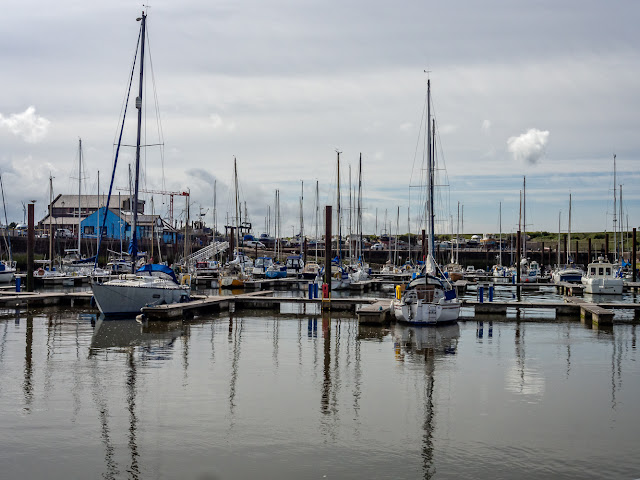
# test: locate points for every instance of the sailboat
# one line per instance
(153, 284)
(429, 298)
(569, 272)
(7, 267)
(339, 276)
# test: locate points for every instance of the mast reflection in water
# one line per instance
(253, 395)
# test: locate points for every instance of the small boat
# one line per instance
(311, 271)
(568, 273)
(529, 271)
(602, 278)
(151, 285)
(454, 272)
(7, 270)
(294, 265)
(261, 265)
(233, 276)
(207, 268)
(339, 278)
(276, 271)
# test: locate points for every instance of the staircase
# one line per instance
(207, 252)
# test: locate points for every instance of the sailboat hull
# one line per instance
(124, 297)
(424, 313)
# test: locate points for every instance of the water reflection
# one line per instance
(156, 339)
(426, 343)
(28, 365)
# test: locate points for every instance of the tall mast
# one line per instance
(339, 222)
(50, 225)
(615, 210)
(524, 216)
(215, 219)
(317, 209)
(569, 235)
(500, 226)
(236, 222)
(134, 224)
(559, 235)
(458, 236)
(79, 190)
(621, 229)
(301, 215)
(360, 256)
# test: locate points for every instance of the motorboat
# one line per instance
(601, 277)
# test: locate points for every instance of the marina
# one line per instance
(332, 241)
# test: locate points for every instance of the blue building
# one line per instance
(118, 226)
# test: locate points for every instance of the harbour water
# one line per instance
(253, 394)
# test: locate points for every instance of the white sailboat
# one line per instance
(152, 284)
(569, 272)
(428, 298)
(8, 266)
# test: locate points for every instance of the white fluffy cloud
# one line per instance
(28, 125)
(530, 146)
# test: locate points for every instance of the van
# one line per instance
(64, 233)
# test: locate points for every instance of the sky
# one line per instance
(545, 90)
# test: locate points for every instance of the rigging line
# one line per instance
(157, 109)
(415, 154)
(115, 161)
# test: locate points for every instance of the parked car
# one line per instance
(377, 246)
(63, 233)
(253, 244)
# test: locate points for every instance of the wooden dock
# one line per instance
(256, 300)
(375, 313)
(32, 299)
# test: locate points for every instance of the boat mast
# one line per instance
(79, 190)
(524, 217)
(559, 235)
(301, 216)
(500, 238)
(50, 225)
(615, 210)
(236, 221)
(134, 224)
(360, 256)
(569, 235)
(430, 152)
(621, 229)
(317, 209)
(458, 236)
(339, 223)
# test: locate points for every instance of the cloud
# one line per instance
(530, 146)
(218, 123)
(486, 125)
(31, 127)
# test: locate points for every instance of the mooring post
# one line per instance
(327, 251)
(633, 257)
(518, 256)
(31, 240)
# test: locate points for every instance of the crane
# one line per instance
(163, 192)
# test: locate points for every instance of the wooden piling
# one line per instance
(31, 240)
(327, 245)
(633, 256)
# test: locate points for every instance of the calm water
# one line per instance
(254, 395)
